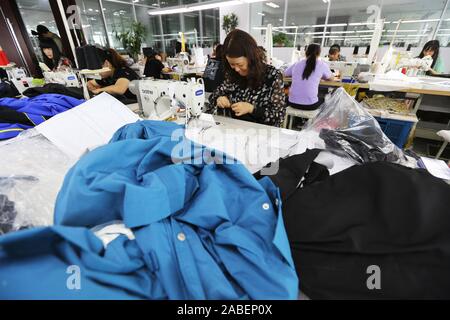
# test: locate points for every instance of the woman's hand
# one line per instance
(96, 91)
(223, 102)
(92, 85)
(242, 108)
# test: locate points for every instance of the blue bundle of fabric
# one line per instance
(25, 113)
(196, 228)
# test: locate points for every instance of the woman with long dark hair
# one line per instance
(153, 65)
(117, 80)
(306, 75)
(52, 56)
(431, 48)
(252, 90)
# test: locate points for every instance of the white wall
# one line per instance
(242, 11)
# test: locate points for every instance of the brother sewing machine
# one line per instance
(160, 99)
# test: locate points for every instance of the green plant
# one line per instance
(132, 39)
(229, 23)
(281, 40)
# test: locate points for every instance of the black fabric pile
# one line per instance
(55, 88)
(8, 89)
(375, 214)
(8, 115)
(362, 145)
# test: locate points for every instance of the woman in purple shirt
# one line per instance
(306, 75)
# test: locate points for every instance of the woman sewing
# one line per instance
(52, 56)
(117, 80)
(252, 90)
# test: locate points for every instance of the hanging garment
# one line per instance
(376, 215)
(56, 88)
(200, 229)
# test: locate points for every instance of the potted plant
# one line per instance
(281, 40)
(132, 39)
(230, 22)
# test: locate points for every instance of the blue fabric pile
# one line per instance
(25, 113)
(200, 229)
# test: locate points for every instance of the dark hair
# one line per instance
(219, 52)
(312, 53)
(114, 58)
(237, 44)
(431, 45)
(48, 43)
(333, 50)
(42, 29)
(336, 46)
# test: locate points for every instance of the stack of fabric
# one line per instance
(17, 115)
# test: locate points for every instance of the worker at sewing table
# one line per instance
(252, 90)
(115, 81)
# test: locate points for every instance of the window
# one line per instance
(33, 14)
(119, 17)
(92, 22)
(443, 34)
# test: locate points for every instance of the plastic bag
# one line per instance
(349, 130)
(32, 170)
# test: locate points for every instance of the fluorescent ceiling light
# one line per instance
(206, 6)
(168, 11)
(403, 31)
(272, 5)
(362, 23)
(329, 25)
(214, 5)
(343, 32)
(416, 21)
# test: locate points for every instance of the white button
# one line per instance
(276, 202)
(266, 206)
(181, 236)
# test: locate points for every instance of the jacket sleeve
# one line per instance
(224, 89)
(272, 111)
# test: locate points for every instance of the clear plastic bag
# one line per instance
(32, 170)
(349, 130)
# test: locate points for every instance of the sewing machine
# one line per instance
(18, 77)
(68, 79)
(160, 99)
(348, 70)
(180, 62)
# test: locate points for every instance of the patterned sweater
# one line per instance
(269, 99)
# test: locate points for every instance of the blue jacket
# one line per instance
(202, 230)
(38, 108)
(10, 130)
